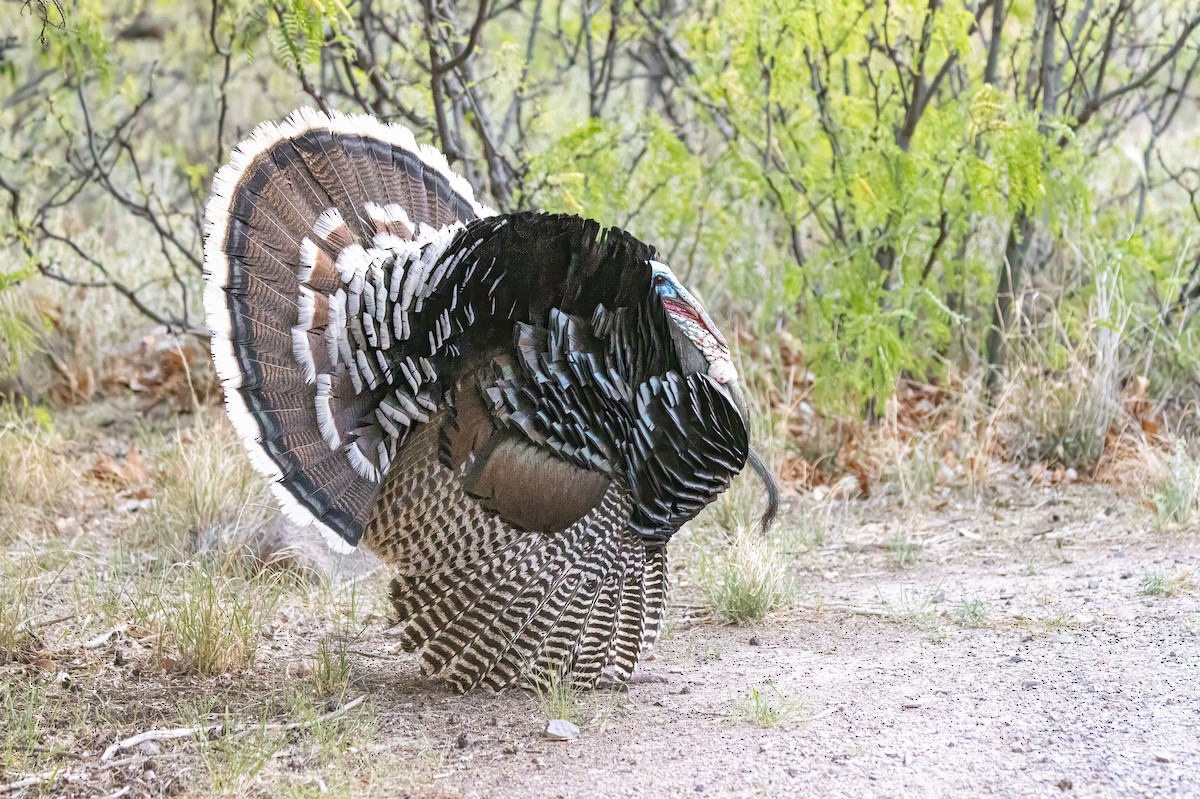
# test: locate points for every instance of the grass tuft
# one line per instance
(1061, 415)
(972, 613)
(211, 623)
(1178, 500)
(905, 552)
(207, 495)
(766, 706)
(911, 469)
(748, 580)
(331, 667)
(1157, 584)
(557, 695)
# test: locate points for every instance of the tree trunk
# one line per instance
(1008, 282)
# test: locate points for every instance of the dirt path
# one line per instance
(1035, 642)
(1028, 655)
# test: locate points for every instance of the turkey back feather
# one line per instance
(496, 405)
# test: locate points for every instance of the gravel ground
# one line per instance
(1027, 655)
(1037, 642)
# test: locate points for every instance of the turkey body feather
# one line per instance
(515, 412)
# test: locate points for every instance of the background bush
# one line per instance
(919, 190)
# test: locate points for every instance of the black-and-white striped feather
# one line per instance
(495, 404)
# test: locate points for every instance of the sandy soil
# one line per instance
(1074, 682)
(1043, 644)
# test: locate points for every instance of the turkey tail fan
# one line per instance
(290, 252)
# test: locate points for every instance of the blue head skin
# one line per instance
(688, 314)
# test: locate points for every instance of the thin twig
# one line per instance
(104, 638)
(210, 729)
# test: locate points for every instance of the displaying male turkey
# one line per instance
(514, 411)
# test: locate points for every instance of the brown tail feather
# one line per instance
(294, 199)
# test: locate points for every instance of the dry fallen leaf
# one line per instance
(45, 664)
(135, 468)
(106, 469)
(131, 472)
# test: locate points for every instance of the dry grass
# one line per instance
(1177, 500)
(747, 579)
(232, 762)
(1065, 382)
(208, 622)
(207, 497)
(16, 607)
(285, 741)
(913, 468)
(38, 475)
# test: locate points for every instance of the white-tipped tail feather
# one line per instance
(311, 212)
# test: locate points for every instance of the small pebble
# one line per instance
(754, 641)
(1015, 659)
(1126, 575)
(1162, 758)
(560, 730)
(463, 741)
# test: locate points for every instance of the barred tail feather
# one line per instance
(592, 649)
(529, 603)
(626, 642)
(656, 582)
(285, 230)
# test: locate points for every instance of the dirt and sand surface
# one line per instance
(1019, 656)
(1024, 640)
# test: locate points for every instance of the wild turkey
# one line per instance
(514, 411)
